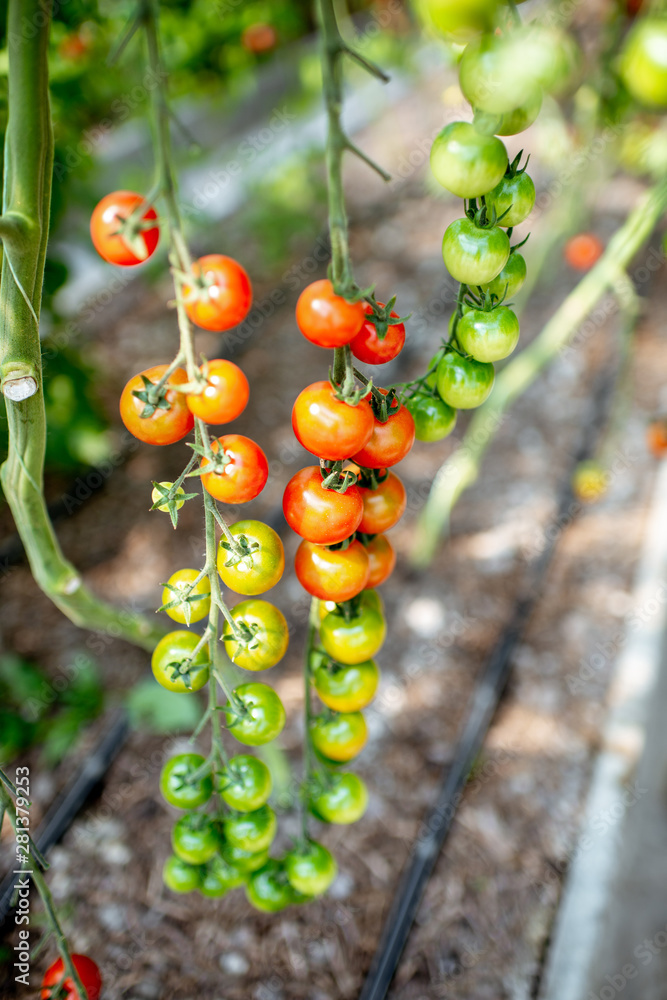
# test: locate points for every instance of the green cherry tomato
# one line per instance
(458, 20)
(433, 418)
(355, 640)
(268, 889)
(194, 838)
(339, 737)
(244, 861)
(261, 716)
(218, 877)
(344, 800)
(513, 122)
(466, 162)
(463, 382)
(194, 601)
(171, 663)
(509, 281)
(311, 869)
(177, 785)
(346, 688)
(643, 63)
(490, 79)
(245, 784)
(514, 195)
(179, 876)
(473, 255)
(262, 563)
(488, 336)
(251, 831)
(265, 635)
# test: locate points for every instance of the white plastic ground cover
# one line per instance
(587, 897)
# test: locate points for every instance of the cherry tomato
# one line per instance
(368, 599)
(179, 876)
(259, 37)
(168, 420)
(195, 601)
(251, 831)
(514, 195)
(245, 471)
(332, 574)
(466, 162)
(643, 63)
(262, 715)
(117, 240)
(463, 382)
(268, 889)
(327, 319)
(513, 122)
(56, 982)
(262, 563)
(319, 514)
(194, 838)
(458, 20)
(218, 877)
(488, 335)
(473, 255)
(489, 79)
(390, 442)
(434, 419)
(179, 787)
(244, 861)
(343, 800)
(346, 688)
(511, 278)
(339, 737)
(381, 558)
(265, 635)
(590, 481)
(327, 427)
(245, 783)
(220, 295)
(225, 395)
(356, 640)
(383, 507)
(368, 347)
(582, 251)
(156, 494)
(310, 868)
(656, 438)
(171, 662)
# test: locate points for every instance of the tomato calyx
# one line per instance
(348, 392)
(242, 550)
(370, 479)
(384, 402)
(183, 598)
(216, 461)
(243, 634)
(183, 670)
(154, 397)
(335, 478)
(381, 318)
(483, 217)
(171, 496)
(513, 170)
(131, 227)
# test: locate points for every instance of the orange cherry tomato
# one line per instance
(332, 574)
(383, 507)
(167, 421)
(382, 559)
(258, 38)
(656, 438)
(327, 427)
(389, 442)
(225, 395)
(582, 251)
(368, 347)
(117, 241)
(220, 295)
(318, 514)
(245, 473)
(326, 319)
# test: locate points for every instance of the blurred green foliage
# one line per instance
(154, 708)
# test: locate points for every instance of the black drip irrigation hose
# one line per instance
(485, 699)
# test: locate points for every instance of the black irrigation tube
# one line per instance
(485, 699)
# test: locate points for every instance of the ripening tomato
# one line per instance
(245, 783)
(332, 574)
(261, 564)
(590, 481)
(218, 877)
(172, 662)
(369, 599)
(179, 786)
(381, 559)
(194, 601)
(225, 395)
(327, 319)
(156, 494)
(261, 716)
(342, 800)
(194, 838)
(243, 472)
(390, 441)
(319, 514)
(582, 251)
(264, 635)
(383, 507)
(474, 255)
(220, 294)
(117, 236)
(340, 737)
(434, 419)
(179, 876)
(513, 195)
(310, 868)
(268, 889)
(509, 281)
(466, 162)
(346, 688)
(656, 438)
(368, 347)
(643, 63)
(251, 831)
(488, 335)
(355, 640)
(56, 982)
(326, 426)
(463, 382)
(163, 422)
(259, 37)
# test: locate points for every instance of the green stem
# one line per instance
(462, 467)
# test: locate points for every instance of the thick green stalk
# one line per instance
(24, 228)
(462, 467)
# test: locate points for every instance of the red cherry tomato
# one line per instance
(382, 559)
(220, 295)
(368, 347)
(245, 473)
(169, 420)
(582, 251)
(383, 507)
(318, 514)
(225, 395)
(88, 972)
(118, 241)
(259, 37)
(656, 438)
(390, 441)
(332, 574)
(327, 427)
(326, 319)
